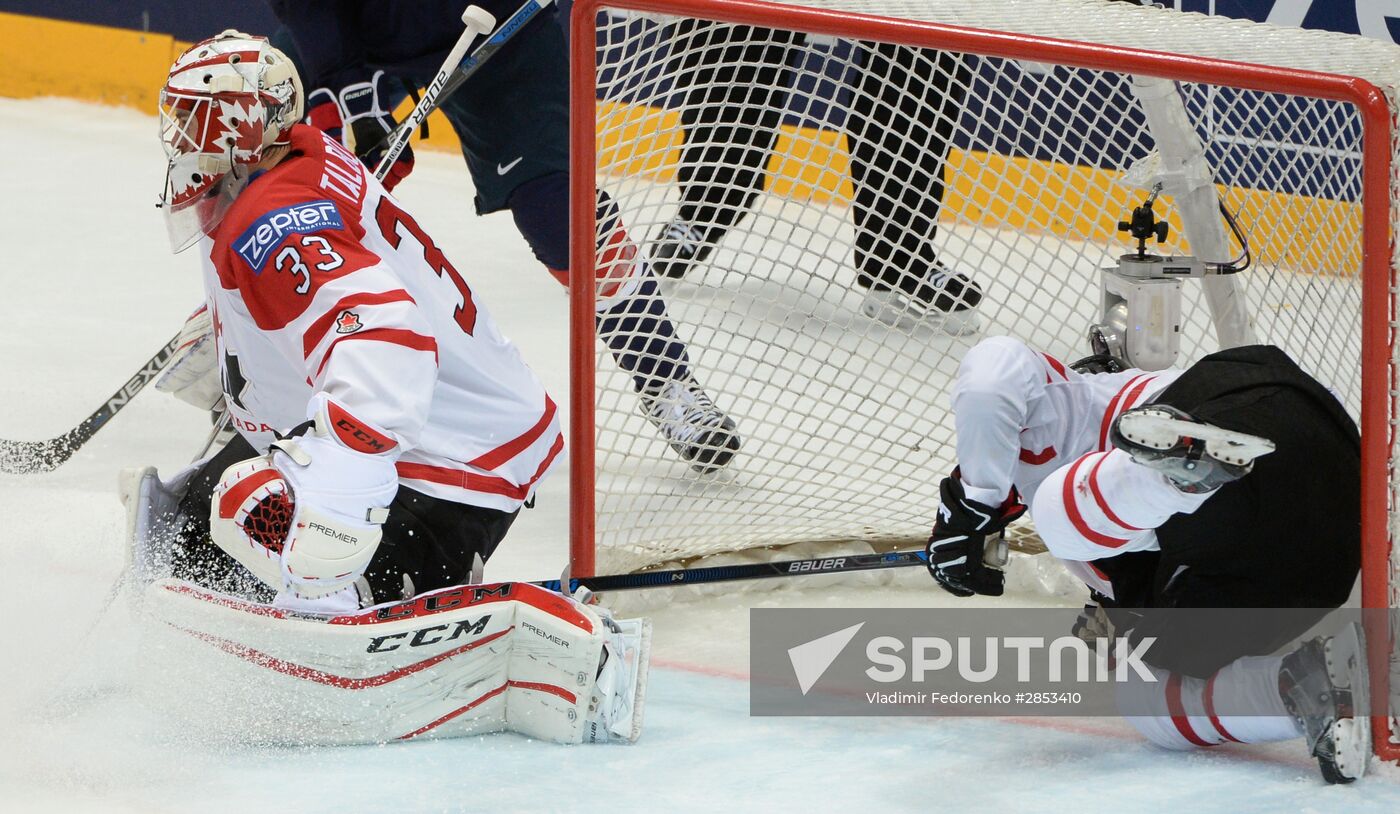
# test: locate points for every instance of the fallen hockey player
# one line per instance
(1232, 484)
(387, 437)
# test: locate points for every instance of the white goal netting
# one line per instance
(808, 171)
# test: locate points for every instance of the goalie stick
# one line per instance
(25, 457)
(1022, 539)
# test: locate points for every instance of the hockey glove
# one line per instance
(358, 117)
(192, 374)
(306, 517)
(957, 547)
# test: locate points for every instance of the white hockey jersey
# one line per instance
(323, 287)
(1021, 415)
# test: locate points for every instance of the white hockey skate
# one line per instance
(1196, 456)
(152, 519)
(949, 303)
(691, 423)
(1322, 683)
(616, 707)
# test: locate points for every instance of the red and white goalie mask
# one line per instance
(226, 101)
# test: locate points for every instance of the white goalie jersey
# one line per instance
(323, 288)
(1024, 417)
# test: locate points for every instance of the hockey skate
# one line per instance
(152, 519)
(691, 423)
(679, 245)
(615, 708)
(943, 299)
(1195, 456)
(1321, 683)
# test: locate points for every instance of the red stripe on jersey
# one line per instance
(397, 336)
(1057, 365)
(323, 323)
(1112, 411)
(1037, 458)
(1178, 712)
(355, 434)
(473, 482)
(1131, 400)
(1099, 498)
(1210, 711)
(242, 490)
(1077, 519)
(498, 456)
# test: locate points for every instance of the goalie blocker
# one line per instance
(462, 660)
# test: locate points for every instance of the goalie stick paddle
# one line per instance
(730, 573)
(25, 457)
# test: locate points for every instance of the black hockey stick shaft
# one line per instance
(24, 457)
(468, 66)
(732, 573)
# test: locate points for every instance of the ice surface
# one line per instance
(90, 292)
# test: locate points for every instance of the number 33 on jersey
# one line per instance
(321, 283)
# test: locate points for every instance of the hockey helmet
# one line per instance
(227, 99)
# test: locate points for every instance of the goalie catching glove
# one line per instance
(306, 517)
(957, 547)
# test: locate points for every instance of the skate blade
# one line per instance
(1346, 667)
(1161, 431)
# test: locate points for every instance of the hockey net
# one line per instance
(1049, 121)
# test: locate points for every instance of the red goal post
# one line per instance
(1374, 107)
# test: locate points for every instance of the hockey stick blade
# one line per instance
(28, 457)
(731, 573)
